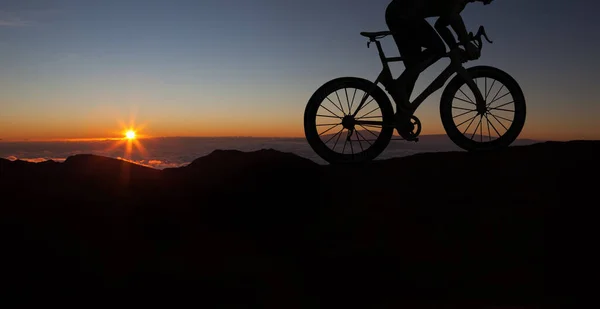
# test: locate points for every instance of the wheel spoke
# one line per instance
(369, 113)
(464, 100)
(369, 130)
(481, 130)
(365, 105)
(338, 138)
(509, 120)
(358, 140)
(501, 109)
(489, 131)
(511, 102)
(371, 117)
(464, 113)
(490, 123)
(485, 89)
(352, 104)
(464, 109)
(371, 126)
(497, 93)
(363, 99)
(358, 132)
(348, 101)
(330, 129)
(477, 127)
(327, 116)
(467, 129)
(340, 101)
(466, 96)
(466, 121)
(490, 90)
(505, 128)
(499, 98)
(328, 124)
(327, 109)
(336, 106)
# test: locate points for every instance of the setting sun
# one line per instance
(130, 134)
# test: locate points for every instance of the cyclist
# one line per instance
(406, 19)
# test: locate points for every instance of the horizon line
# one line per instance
(92, 139)
(142, 137)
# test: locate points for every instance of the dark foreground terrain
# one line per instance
(268, 229)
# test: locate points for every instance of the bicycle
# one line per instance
(404, 120)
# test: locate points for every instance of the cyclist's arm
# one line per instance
(453, 19)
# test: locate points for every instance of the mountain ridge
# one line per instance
(270, 229)
(232, 153)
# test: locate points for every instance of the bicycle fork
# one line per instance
(479, 100)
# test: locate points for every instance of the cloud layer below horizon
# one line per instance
(163, 153)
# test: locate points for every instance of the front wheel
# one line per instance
(330, 121)
(504, 116)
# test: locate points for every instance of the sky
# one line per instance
(88, 69)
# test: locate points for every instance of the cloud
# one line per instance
(35, 160)
(157, 164)
(38, 160)
(152, 163)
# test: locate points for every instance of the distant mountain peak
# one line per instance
(224, 157)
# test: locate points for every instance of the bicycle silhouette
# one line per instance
(322, 118)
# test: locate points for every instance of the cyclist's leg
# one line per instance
(406, 35)
(427, 37)
(431, 40)
(422, 34)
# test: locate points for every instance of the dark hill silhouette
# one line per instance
(267, 229)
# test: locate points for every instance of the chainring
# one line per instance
(409, 128)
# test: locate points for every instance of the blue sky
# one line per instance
(247, 67)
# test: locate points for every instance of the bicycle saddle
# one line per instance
(376, 35)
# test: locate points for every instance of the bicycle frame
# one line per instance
(405, 106)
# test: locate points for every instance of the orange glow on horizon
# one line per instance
(218, 127)
(130, 139)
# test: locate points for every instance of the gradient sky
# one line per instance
(77, 69)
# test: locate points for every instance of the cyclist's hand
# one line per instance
(472, 51)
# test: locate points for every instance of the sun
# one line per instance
(131, 139)
(130, 134)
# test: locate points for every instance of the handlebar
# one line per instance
(477, 37)
(478, 42)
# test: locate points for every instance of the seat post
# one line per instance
(381, 53)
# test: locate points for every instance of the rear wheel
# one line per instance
(503, 119)
(331, 130)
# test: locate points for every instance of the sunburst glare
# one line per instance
(131, 140)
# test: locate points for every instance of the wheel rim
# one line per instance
(336, 126)
(492, 124)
